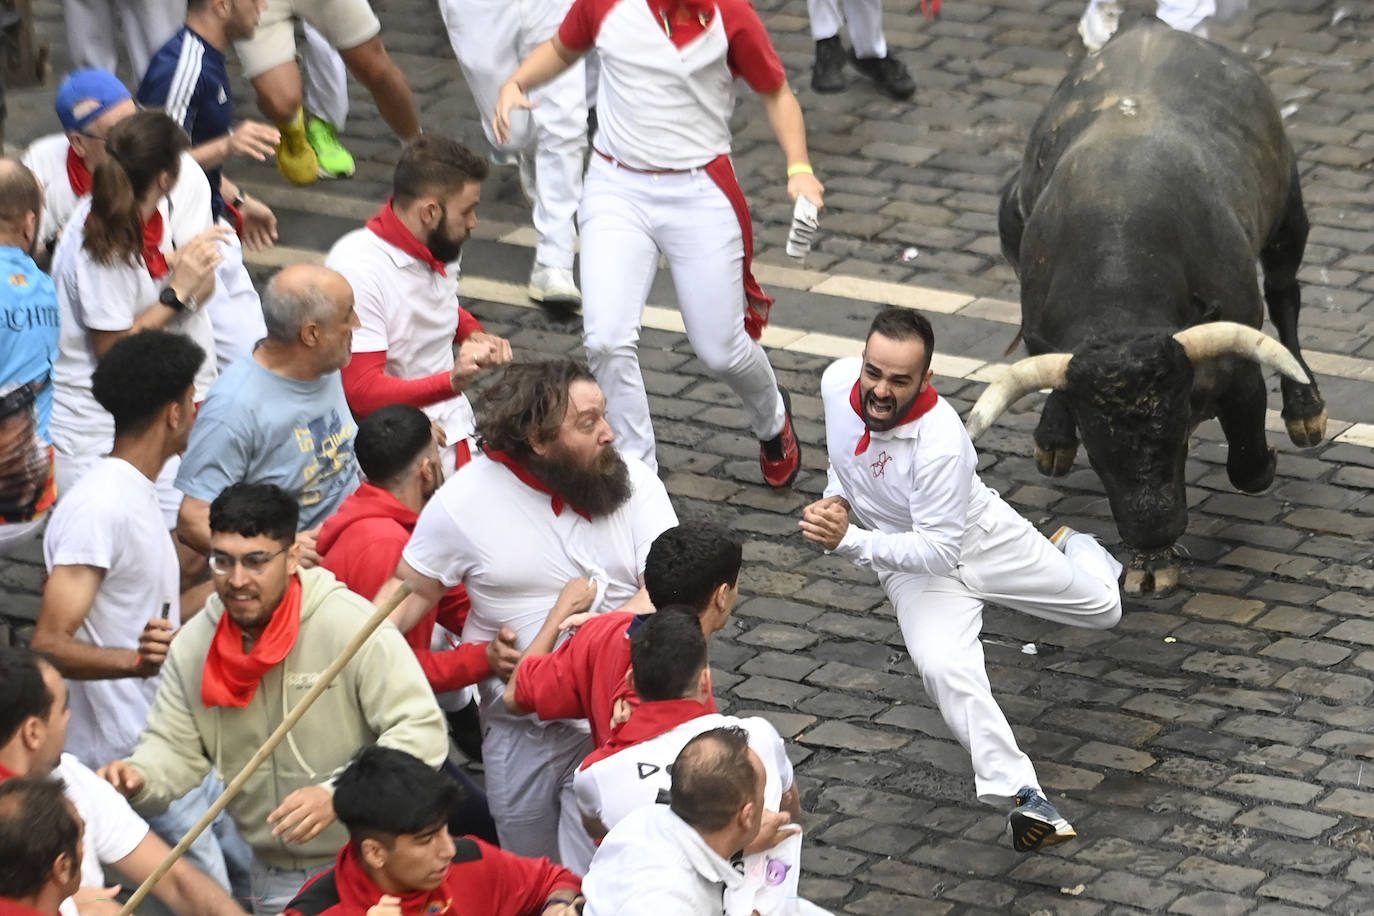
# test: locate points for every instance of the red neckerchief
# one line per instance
(153, 257)
(358, 892)
(924, 401)
(682, 20)
(648, 721)
(232, 677)
(78, 175)
(6, 773)
(387, 226)
(556, 502)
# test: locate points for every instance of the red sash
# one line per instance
(757, 303)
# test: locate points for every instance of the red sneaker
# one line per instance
(780, 457)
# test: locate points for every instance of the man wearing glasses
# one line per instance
(236, 670)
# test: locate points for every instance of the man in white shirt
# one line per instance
(569, 506)
(403, 268)
(673, 678)
(674, 860)
(942, 543)
(33, 727)
(111, 602)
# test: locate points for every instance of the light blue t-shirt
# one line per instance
(28, 346)
(259, 427)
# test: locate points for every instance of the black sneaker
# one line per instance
(828, 73)
(888, 72)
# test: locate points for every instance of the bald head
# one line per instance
(714, 777)
(21, 197)
(309, 309)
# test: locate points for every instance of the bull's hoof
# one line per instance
(1306, 431)
(1254, 482)
(1151, 575)
(1055, 462)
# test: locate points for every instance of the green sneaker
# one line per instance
(335, 161)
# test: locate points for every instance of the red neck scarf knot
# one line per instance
(231, 676)
(648, 721)
(153, 258)
(556, 501)
(387, 226)
(923, 403)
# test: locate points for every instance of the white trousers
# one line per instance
(1184, 15)
(234, 308)
(865, 18)
(490, 38)
(529, 770)
(1006, 561)
(94, 25)
(325, 78)
(627, 219)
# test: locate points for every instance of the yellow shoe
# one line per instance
(295, 157)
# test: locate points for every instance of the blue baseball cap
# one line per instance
(86, 95)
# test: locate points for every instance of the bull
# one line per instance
(1154, 178)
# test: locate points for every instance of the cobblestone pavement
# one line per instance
(1211, 750)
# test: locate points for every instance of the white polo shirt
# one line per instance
(186, 209)
(503, 541)
(407, 310)
(654, 863)
(914, 490)
(613, 787)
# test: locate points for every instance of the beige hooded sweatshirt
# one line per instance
(380, 696)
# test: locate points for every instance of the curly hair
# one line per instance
(526, 404)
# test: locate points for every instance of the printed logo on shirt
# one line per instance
(435, 907)
(322, 438)
(775, 872)
(880, 466)
(647, 769)
(18, 280)
(303, 680)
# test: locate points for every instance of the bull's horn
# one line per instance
(1023, 377)
(1227, 338)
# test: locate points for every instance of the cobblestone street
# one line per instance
(1215, 751)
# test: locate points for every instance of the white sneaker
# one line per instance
(553, 286)
(1099, 23)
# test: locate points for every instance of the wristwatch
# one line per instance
(169, 298)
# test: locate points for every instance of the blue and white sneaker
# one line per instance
(1035, 824)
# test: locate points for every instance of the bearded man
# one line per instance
(548, 499)
(942, 543)
(403, 267)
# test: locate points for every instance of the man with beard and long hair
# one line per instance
(942, 543)
(549, 499)
(236, 669)
(404, 271)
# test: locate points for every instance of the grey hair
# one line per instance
(287, 311)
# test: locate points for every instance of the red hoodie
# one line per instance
(361, 545)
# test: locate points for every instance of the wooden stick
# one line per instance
(268, 746)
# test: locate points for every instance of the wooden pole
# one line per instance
(268, 746)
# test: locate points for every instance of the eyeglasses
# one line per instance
(222, 564)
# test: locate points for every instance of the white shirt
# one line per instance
(660, 106)
(186, 209)
(407, 310)
(914, 491)
(630, 779)
(654, 863)
(113, 830)
(111, 520)
(101, 297)
(501, 539)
